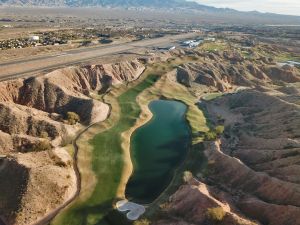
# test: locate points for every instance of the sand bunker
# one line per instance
(135, 210)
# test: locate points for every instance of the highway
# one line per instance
(40, 64)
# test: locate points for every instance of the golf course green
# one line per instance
(107, 163)
(157, 148)
(107, 150)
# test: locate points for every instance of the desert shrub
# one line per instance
(213, 134)
(41, 146)
(72, 118)
(187, 176)
(142, 222)
(164, 206)
(210, 136)
(219, 129)
(44, 134)
(215, 214)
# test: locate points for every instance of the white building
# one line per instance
(210, 39)
(188, 42)
(34, 38)
(195, 44)
(7, 26)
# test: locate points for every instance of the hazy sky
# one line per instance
(289, 7)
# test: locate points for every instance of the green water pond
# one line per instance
(157, 149)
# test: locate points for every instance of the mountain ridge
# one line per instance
(167, 5)
(170, 4)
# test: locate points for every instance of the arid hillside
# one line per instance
(261, 141)
(252, 169)
(38, 118)
(224, 71)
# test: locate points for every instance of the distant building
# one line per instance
(210, 39)
(195, 44)
(7, 26)
(34, 38)
(192, 43)
(188, 42)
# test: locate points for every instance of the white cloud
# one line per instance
(289, 7)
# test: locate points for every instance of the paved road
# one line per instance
(38, 64)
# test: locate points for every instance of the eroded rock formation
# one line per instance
(33, 131)
(221, 75)
(257, 159)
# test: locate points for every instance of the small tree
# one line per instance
(44, 135)
(187, 176)
(215, 214)
(219, 129)
(72, 118)
(41, 146)
(210, 136)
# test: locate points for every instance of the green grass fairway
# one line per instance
(211, 96)
(107, 163)
(101, 160)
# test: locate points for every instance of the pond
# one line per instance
(157, 149)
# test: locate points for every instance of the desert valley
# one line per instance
(161, 122)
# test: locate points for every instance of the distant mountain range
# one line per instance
(173, 4)
(166, 5)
